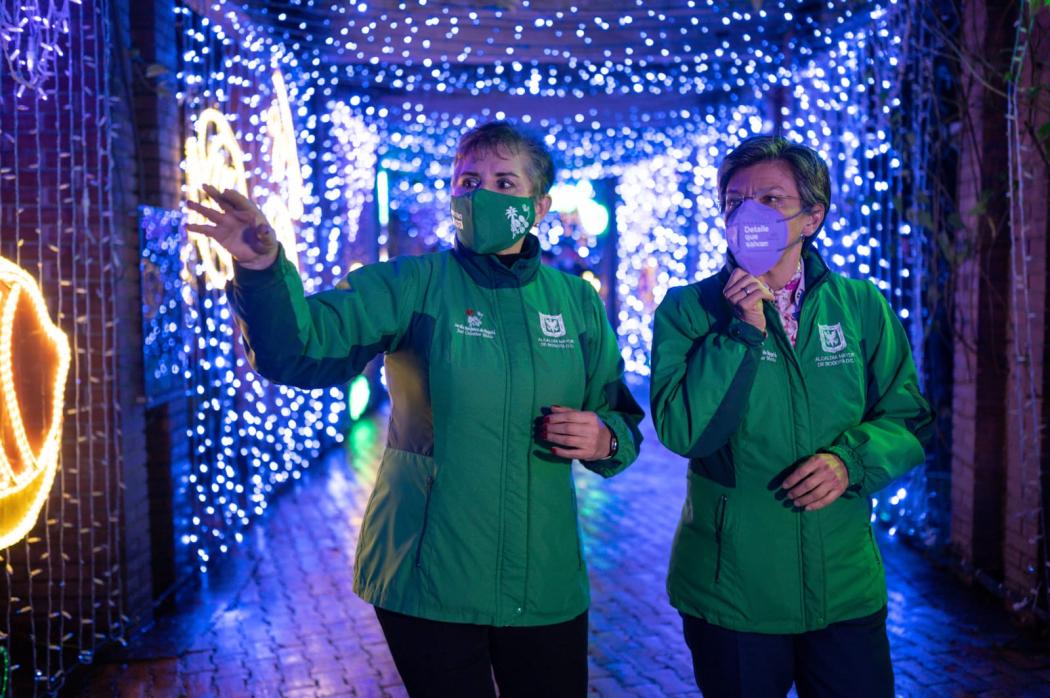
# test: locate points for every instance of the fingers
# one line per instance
(736, 275)
(811, 484)
(569, 433)
(746, 292)
(210, 213)
(579, 442)
(577, 434)
(801, 473)
(563, 415)
(734, 285)
(816, 483)
(739, 279)
(818, 493)
(237, 200)
(209, 230)
(228, 199)
(750, 289)
(824, 501)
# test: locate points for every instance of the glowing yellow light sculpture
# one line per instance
(284, 151)
(34, 363)
(214, 156)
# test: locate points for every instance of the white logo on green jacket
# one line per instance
(553, 329)
(552, 325)
(832, 338)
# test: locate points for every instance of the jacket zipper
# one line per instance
(723, 502)
(576, 521)
(426, 517)
(498, 312)
(874, 547)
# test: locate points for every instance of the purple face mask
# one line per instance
(757, 236)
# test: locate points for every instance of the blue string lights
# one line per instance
(341, 120)
(247, 436)
(650, 98)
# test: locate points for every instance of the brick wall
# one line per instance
(1025, 396)
(978, 423)
(998, 448)
(158, 126)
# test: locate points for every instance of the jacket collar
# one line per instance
(489, 272)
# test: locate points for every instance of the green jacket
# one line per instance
(471, 519)
(745, 410)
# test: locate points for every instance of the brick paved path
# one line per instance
(277, 618)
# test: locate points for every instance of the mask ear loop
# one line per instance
(802, 238)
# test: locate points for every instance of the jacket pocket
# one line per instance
(720, 522)
(426, 516)
(576, 526)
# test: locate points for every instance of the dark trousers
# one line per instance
(458, 659)
(851, 658)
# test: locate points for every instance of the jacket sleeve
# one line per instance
(327, 338)
(897, 419)
(606, 393)
(703, 369)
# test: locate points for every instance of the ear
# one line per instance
(813, 219)
(543, 207)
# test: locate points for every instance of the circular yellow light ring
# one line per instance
(26, 474)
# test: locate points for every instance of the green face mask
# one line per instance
(488, 222)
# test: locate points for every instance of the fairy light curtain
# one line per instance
(60, 584)
(248, 128)
(313, 99)
(837, 89)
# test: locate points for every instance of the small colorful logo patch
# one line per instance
(475, 325)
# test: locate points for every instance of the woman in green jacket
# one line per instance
(501, 371)
(793, 393)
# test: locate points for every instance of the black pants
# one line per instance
(458, 659)
(851, 658)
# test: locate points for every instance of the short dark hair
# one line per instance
(496, 136)
(809, 169)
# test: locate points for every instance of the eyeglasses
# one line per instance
(774, 201)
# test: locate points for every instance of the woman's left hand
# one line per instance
(818, 482)
(580, 435)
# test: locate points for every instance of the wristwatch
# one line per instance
(614, 445)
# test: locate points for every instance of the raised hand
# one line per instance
(746, 293)
(239, 226)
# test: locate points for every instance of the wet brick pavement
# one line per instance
(278, 618)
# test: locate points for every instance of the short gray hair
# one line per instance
(496, 136)
(809, 169)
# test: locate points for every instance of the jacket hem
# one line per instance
(467, 615)
(779, 627)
